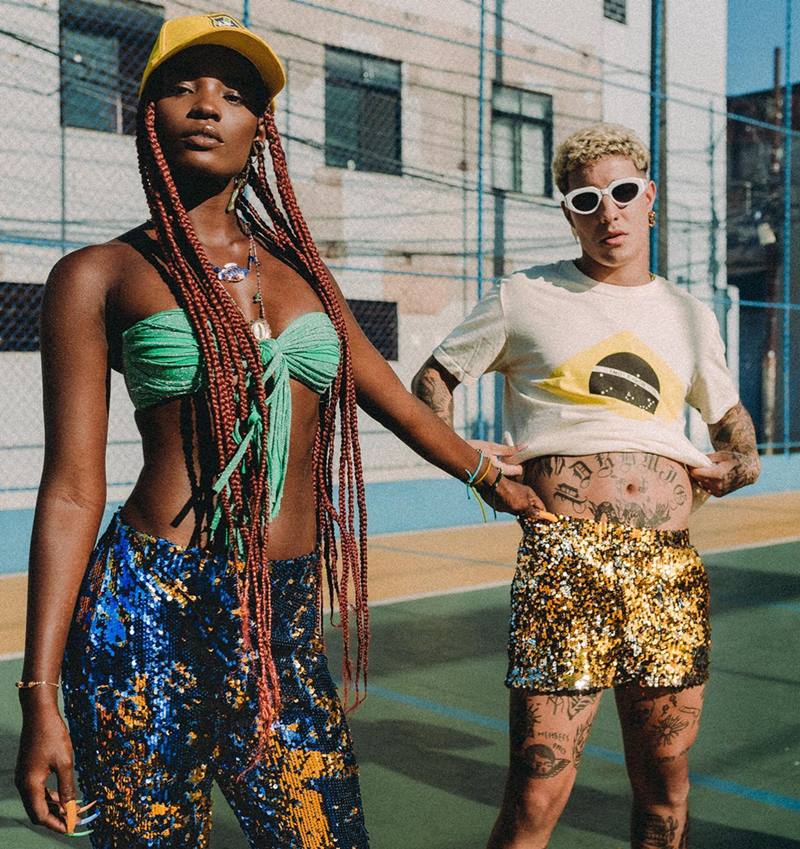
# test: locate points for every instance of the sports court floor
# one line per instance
(431, 737)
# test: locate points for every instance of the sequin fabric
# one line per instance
(160, 704)
(597, 605)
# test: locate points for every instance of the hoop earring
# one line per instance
(651, 218)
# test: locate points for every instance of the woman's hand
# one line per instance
(512, 497)
(44, 747)
(498, 453)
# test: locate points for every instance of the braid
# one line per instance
(291, 232)
(234, 387)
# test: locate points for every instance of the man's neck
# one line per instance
(634, 273)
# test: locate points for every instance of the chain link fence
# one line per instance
(421, 159)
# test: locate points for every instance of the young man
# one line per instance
(599, 358)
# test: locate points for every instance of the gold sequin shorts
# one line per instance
(602, 605)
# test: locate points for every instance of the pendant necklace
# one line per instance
(231, 272)
(259, 326)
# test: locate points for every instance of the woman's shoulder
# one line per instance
(92, 271)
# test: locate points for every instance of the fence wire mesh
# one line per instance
(412, 207)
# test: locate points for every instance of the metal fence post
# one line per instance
(480, 425)
(787, 226)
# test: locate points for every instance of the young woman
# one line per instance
(600, 357)
(193, 648)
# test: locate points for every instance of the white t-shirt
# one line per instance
(592, 367)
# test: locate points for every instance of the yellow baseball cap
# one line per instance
(220, 29)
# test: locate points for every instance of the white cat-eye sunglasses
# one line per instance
(586, 199)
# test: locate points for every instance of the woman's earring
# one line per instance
(238, 186)
(651, 218)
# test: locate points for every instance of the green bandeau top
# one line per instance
(161, 360)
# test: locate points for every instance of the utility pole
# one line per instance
(498, 264)
(480, 425)
(658, 134)
(769, 362)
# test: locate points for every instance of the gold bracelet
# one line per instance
(27, 685)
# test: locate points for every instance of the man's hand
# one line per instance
(498, 453)
(731, 470)
(735, 459)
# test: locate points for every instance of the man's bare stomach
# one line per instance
(629, 488)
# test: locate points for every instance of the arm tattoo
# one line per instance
(734, 433)
(429, 386)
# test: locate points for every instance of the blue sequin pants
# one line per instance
(159, 704)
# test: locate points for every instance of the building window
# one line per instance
(362, 112)
(615, 10)
(20, 305)
(522, 141)
(104, 49)
(378, 320)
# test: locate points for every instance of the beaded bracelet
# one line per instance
(476, 477)
(471, 476)
(27, 685)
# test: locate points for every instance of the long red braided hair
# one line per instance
(232, 360)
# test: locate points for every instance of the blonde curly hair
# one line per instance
(593, 143)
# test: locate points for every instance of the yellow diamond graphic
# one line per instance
(622, 374)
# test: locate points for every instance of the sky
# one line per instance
(755, 28)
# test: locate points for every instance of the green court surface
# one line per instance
(431, 737)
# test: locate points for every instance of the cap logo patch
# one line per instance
(224, 21)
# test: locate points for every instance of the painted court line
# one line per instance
(721, 785)
(437, 555)
(507, 583)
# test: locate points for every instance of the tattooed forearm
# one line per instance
(434, 386)
(735, 436)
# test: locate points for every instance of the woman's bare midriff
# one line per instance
(163, 501)
(631, 488)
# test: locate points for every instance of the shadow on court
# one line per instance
(439, 757)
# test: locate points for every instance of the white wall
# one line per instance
(394, 238)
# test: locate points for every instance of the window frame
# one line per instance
(366, 159)
(611, 13)
(133, 25)
(517, 120)
(21, 306)
(382, 328)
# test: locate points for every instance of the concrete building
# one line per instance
(755, 265)
(381, 119)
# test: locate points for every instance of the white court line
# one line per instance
(487, 586)
(494, 584)
(746, 545)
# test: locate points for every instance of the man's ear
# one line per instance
(650, 194)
